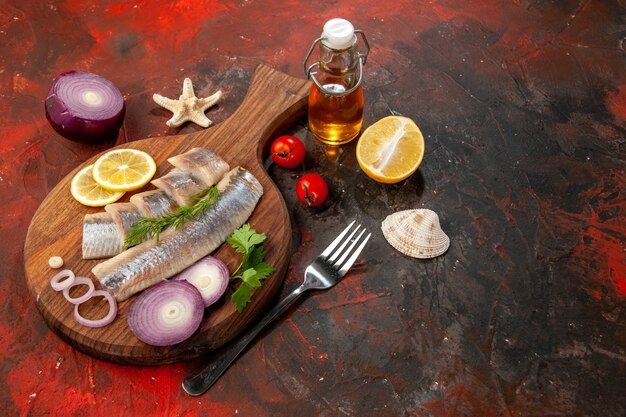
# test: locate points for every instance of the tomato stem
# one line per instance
(307, 197)
(285, 154)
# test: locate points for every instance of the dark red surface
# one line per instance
(523, 108)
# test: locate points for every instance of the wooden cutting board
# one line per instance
(273, 101)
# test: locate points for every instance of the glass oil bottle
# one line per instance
(336, 97)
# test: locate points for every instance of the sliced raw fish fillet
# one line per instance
(154, 203)
(180, 186)
(202, 163)
(124, 215)
(101, 236)
(150, 262)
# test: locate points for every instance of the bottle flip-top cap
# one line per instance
(338, 33)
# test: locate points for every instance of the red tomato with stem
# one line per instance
(287, 151)
(312, 189)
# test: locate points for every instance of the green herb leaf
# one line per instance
(148, 227)
(250, 277)
(263, 270)
(145, 227)
(241, 297)
(245, 238)
(211, 196)
(252, 269)
(255, 256)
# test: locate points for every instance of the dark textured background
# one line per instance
(523, 108)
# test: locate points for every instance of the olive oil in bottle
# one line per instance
(336, 97)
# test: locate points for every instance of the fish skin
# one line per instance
(177, 186)
(180, 185)
(203, 164)
(149, 263)
(154, 203)
(124, 215)
(101, 236)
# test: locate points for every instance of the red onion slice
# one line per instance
(86, 296)
(84, 107)
(166, 314)
(209, 275)
(62, 280)
(100, 322)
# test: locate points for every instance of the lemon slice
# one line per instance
(86, 191)
(124, 169)
(391, 149)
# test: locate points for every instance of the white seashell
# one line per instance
(416, 233)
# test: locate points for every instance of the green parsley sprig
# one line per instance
(149, 227)
(252, 269)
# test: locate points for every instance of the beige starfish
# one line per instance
(188, 107)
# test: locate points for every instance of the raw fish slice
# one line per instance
(149, 263)
(180, 185)
(202, 163)
(154, 203)
(101, 237)
(124, 215)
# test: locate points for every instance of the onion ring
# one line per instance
(86, 296)
(210, 276)
(166, 314)
(55, 262)
(103, 321)
(59, 284)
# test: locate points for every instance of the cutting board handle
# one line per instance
(273, 101)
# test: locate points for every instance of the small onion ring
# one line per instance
(59, 284)
(86, 296)
(103, 321)
(55, 262)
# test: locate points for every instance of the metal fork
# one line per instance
(323, 273)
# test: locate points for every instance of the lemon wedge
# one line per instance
(86, 191)
(124, 169)
(391, 149)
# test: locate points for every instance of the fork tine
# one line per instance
(343, 245)
(350, 261)
(347, 252)
(335, 242)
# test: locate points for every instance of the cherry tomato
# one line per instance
(311, 189)
(287, 151)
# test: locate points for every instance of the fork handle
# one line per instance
(201, 379)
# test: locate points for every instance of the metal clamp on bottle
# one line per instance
(310, 74)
